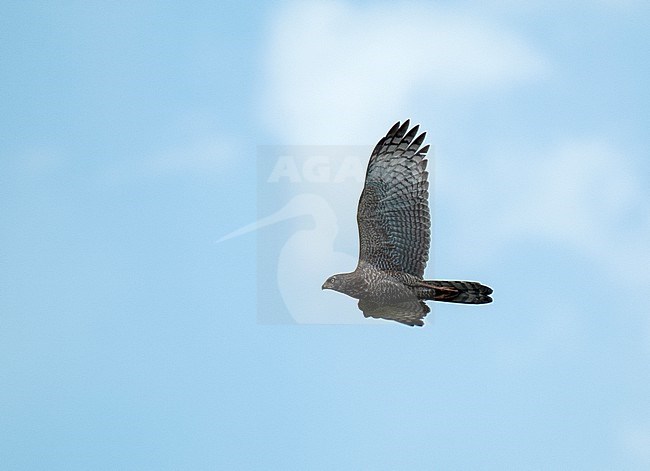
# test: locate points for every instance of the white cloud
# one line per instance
(583, 194)
(336, 72)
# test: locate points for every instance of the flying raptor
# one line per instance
(394, 237)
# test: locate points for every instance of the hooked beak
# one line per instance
(326, 285)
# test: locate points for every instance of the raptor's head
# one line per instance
(347, 283)
(333, 282)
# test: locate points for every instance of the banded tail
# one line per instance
(464, 292)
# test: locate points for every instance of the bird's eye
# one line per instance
(332, 279)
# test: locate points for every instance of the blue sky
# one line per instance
(130, 339)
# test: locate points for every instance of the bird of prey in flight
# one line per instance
(394, 237)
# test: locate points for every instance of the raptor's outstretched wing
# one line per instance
(410, 312)
(393, 214)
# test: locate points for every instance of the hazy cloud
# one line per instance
(583, 194)
(335, 71)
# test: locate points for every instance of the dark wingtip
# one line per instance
(403, 128)
(394, 129)
(411, 134)
(420, 139)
